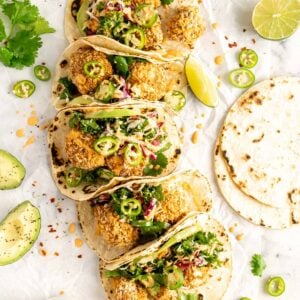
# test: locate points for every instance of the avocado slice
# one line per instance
(82, 15)
(18, 232)
(114, 113)
(12, 172)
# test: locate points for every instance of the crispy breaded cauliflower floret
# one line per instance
(186, 25)
(114, 231)
(80, 151)
(78, 59)
(196, 276)
(166, 294)
(174, 207)
(155, 3)
(154, 36)
(118, 166)
(147, 81)
(125, 289)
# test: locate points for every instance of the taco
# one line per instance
(90, 72)
(141, 210)
(92, 147)
(139, 24)
(191, 262)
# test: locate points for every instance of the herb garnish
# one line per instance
(257, 264)
(20, 46)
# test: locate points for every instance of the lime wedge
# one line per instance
(276, 19)
(200, 83)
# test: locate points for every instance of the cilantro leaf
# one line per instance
(2, 31)
(20, 47)
(257, 264)
(20, 12)
(155, 167)
(6, 56)
(41, 26)
(24, 46)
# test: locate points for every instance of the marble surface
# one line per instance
(73, 273)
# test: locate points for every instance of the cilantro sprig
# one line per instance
(258, 265)
(20, 40)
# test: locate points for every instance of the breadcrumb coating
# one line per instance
(78, 59)
(80, 150)
(186, 25)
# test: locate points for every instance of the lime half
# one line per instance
(200, 83)
(276, 19)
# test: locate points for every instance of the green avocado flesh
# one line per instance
(115, 113)
(18, 232)
(12, 172)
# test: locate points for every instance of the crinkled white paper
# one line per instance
(67, 276)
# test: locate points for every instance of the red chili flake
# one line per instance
(41, 244)
(50, 226)
(79, 256)
(253, 41)
(52, 230)
(59, 210)
(52, 200)
(231, 45)
(226, 37)
(43, 252)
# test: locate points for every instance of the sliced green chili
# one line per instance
(105, 91)
(135, 38)
(275, 286)
(42, 73)
(24, 88)
(133, 154)
(248, 58)
(107, 145)
(241, 78)
(176, 100)
(74, 176)
(173, 277)
(93, 69)
(131, 207)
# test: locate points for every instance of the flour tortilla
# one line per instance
(260, 142)
(247, 207)
(59, 129)
(174, 69)
(170, 49)
(217, 284)
(197, 191)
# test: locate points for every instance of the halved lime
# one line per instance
(200, 83)
(276, 19)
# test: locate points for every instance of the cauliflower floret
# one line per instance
(83, 82)
(112, 229)
(80, 151)
(147, 81)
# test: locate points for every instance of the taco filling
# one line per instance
(132, 215)
(111, 78)
(134, 23)
(117, 143)
(138, 23)
(177, 269)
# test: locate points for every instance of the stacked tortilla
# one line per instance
(257, 154)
